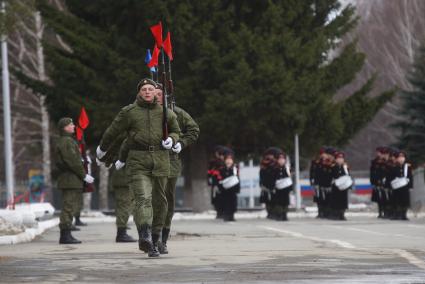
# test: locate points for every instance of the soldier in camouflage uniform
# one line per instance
(148, 162)
(124, 198)
(189, 134)
(70, 178)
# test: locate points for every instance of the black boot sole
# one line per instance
(69, 242)
(125, 240)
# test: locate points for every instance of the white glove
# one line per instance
(89, 179)
(177, 148)
(119, 165)
(167, 143)
(99, 153)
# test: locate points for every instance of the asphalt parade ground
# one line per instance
(303, 250)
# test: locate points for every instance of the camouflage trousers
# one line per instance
(70, 205)
(150, 200)
(170, 194)
(124, 205)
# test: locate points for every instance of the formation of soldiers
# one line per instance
(331, 181)
(145, 167)
(276, 183)
(392, 179)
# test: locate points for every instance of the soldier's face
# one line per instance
(401, 159)
(70, 128)
(147, 92)
(159, 96)
(281, 161)
(229, 162)
(339, 160)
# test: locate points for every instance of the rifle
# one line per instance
(164, 102)
(171, 87)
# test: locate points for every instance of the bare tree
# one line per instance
(389, 33)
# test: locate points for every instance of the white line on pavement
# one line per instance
(412, 259)
(374, 232)
(340, 243)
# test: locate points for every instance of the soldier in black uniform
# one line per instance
(400, 178)
(390, 206)
(229, 185)
(282, 188)
(338, 199)
(378, 173)
(324, 181)
(314, 168)
(267, 179)
(212, 177)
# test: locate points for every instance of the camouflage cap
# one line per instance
(145, 81)
(64, 121)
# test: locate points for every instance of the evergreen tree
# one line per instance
(412, 113)
(252, 73)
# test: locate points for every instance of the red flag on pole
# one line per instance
(83, 120)
(157, 34)
(154, 60)
(167, 46)
(79, 133)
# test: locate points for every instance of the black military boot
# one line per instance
(74, 228)
(404, 216)
(122, 236)
(153, 252)
(66, 238)
(78, 222)
(145, 238)
(284, 216)
(162, 246)
(342, 216)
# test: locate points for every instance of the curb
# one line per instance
(29, 233)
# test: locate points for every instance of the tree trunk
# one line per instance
(198, 187)
(45, 120)
(103, 187)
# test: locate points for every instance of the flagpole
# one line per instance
(8, 144)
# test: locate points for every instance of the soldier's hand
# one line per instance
(89, 179)
(177, 148)
(99, 153)
(167, 143)
(119, 165)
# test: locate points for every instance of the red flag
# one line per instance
(157, 34)
(83, 120)
(79, 133)
(154, 60)
(167, 46)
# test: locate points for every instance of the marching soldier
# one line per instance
(400, 178)
(378, 173)
(342, 182)
(282, 188)
(189, 134)
(229, 185)
(124, 199)
(70, 179)
(148, 162)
